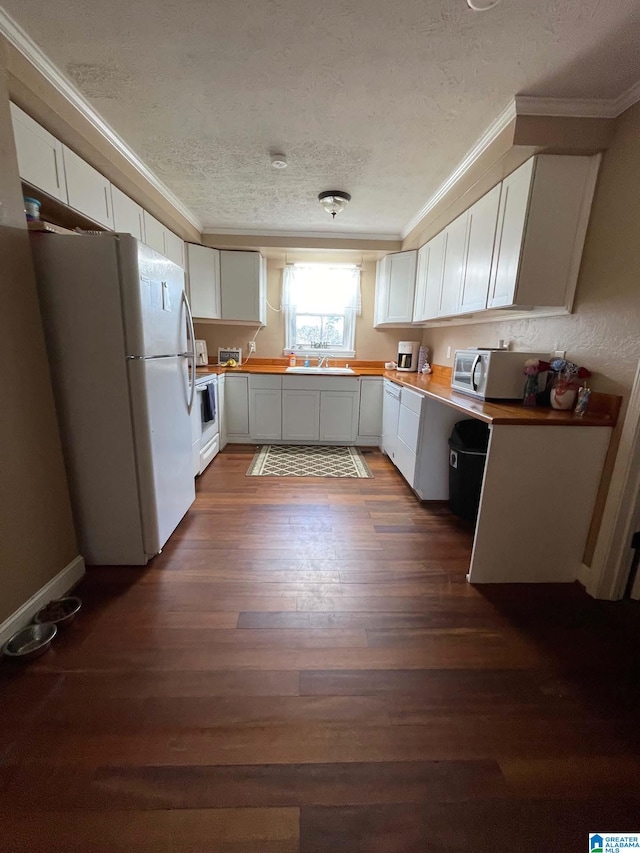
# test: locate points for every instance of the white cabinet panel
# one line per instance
(243, 286)
(236, 396)
(370, 417)
(395, 289)
(153, 233)
(454, 257)
(409, 427)
(128, 216)
(88, 191)
(174, 248)
(338, 416)
(40, 160)
(222, 410)
(512, 217)
(300, 415)
(419, 312)
(483, 218)
(405, 459)
(203, 265)
(265, 414)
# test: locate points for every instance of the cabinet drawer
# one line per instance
(409, 427)
(405, 460)
(268, 381)
(411, 400)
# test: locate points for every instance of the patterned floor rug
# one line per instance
(275, 460)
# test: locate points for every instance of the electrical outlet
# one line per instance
(448, 352)
(252, 346)
(560, 353)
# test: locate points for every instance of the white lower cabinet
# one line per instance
(408, 436)
(300, 415)
(338, 416)
(370, 414)
(236, 394)
(265, 407)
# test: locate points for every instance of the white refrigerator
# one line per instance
(120, 341)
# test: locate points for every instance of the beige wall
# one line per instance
(371, 344)
(37, 538)
(604, 331)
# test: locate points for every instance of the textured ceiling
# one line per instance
(381, 99)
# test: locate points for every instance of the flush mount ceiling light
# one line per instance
(482, 5)
(334, 201)
(278, 161)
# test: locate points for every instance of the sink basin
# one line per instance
(325, 371)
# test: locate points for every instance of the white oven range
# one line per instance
(205, 429)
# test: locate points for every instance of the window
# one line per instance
(321, 303)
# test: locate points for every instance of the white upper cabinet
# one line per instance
(88, 191)
(128, 217)
(39, 155)
(395, 289)
(429, 278)
(483, 218)
(542, 223)
(511, 222)
(243, 286)
(154, 233)
(203, 266)
(159, 238)
(454, 261)
(174, 248)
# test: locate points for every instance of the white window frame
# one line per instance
(349, 314)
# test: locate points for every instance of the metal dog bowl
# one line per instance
(30, 642)
(61, 611)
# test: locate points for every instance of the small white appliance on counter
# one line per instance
(202, 356)
(120, 342)
(225, 354)
(408, 353)
(492, 374)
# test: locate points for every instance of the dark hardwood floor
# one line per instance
(305, 669)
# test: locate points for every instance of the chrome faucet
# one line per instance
(323, 360)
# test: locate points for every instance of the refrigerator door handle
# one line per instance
(191, 354)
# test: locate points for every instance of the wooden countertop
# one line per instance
(603, 408)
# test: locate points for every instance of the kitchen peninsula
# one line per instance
(541, 478)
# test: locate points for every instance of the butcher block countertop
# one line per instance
(603, 408)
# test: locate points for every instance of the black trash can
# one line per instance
(467, 455)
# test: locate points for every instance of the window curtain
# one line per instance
(321, 289)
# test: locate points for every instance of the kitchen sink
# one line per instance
(325, 371)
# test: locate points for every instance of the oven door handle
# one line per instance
(476, 362)
(191, 355)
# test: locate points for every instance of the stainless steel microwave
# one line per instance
(492, 374)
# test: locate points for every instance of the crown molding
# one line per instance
(488, 137)
(629, 98)
(17, 37)
(529, 105)
(315, 235)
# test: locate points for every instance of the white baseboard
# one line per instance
(584, 575)
(55, 588)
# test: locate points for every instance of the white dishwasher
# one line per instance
(390, 409)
